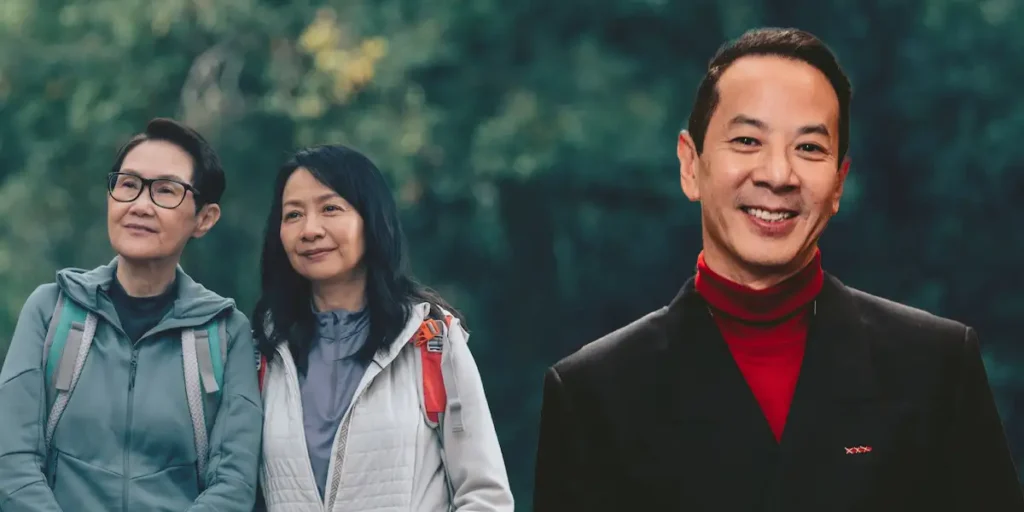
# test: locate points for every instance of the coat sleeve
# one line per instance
(980, 470)
(561, 477)
(237, 435)
(475, 462)
(23, 486)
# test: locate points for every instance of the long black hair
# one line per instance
(284, 313)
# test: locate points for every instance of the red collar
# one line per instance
(768, 305)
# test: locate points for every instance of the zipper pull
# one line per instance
(131, 375)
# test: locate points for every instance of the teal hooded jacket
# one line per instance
(125, 442)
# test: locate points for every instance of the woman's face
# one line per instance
(321, 232)
(143, 230)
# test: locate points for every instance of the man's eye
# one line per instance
(746, 141)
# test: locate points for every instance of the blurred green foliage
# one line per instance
(531, 146)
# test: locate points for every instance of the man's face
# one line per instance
(141, 230)
(768, 178)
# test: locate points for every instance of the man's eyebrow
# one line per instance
(749, 121)
(741, 119)
(820, 129)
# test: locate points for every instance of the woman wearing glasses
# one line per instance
(130, 386)
(373, 400)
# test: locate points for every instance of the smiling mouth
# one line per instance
(315, 253)
(769, 215)
(140, 228)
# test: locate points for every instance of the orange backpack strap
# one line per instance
(429, 339)
(261, 368)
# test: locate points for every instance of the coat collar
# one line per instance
(709, 413)
(837, 362)
(383, 358)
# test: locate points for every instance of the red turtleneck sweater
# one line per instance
(766, 331)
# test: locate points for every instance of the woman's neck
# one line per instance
(348, 293)
(145, 279)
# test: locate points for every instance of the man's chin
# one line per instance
(771, 256)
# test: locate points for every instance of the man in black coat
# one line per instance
(767, 384)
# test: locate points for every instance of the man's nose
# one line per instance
(777, 171)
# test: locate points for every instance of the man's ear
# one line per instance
(844, 170)
(689, 161)
(208, 216)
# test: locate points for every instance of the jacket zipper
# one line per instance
(293, 379)
(128, 425)
(340, 442)
(331, 493)
(341, 445)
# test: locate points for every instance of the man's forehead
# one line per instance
(778, 84)
(758, 68)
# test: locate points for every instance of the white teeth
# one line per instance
(769, 216)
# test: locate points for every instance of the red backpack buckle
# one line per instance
(428, 330)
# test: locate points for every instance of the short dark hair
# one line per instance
(782, 42)
(207, 173)
(283, 313)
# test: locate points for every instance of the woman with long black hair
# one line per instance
(372, 398)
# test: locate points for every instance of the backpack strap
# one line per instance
(51, 355)
(203, 352)
(68, 339)
(438, 385)
(261, 359)
(211, 351)
(454, 402)
(261, 368)
(429, 339)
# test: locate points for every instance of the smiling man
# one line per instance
(131, 386)
(767, 384)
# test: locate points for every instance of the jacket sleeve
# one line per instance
(23, 486)
(237, 435)
(474, 458)
(561, 475)
(980, 470)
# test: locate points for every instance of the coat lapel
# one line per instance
(833, 420)
(713, 439)
(719, 441)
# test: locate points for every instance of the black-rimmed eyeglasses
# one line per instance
(165, 193)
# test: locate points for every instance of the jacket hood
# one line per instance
(193, 304)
